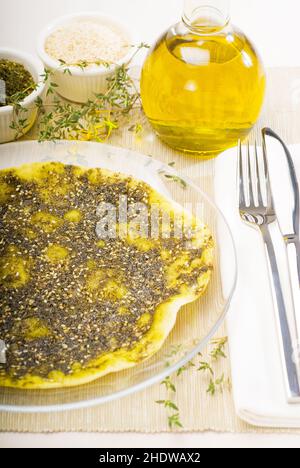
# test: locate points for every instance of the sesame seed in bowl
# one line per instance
(87, 41)
(90, 46)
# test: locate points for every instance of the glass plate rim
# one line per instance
(90, 403)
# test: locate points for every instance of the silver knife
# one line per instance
(291, 232)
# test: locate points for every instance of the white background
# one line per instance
(273, 25)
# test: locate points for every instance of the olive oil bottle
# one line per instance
(203, 83)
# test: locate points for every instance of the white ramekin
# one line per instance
(35, 67)
(81, 85)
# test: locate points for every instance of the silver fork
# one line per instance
(257, 208)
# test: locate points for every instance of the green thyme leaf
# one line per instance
(205, 366)
(169, 384)
(176, 179)
(219, 348)
(211, 388)
(174, 421)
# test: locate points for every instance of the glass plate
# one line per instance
(196, 323)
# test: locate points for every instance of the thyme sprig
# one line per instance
(217, 352)
(94, 120)
(20, 113)
(185, 368)
(173, 415)
(207, 367)
(136, 128)
(83, 64)
(218, 385)
(174, 178)
(219, 347)
(168, 404)
(169, 384)
(177, 179)
(174, 421)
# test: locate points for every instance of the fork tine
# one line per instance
(266, 174)
(259, 187)
(250, 177)
(242, 184)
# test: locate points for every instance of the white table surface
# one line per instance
(274, 27)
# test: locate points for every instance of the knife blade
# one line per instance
(292, 233)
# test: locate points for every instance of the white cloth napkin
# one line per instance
(258, 384)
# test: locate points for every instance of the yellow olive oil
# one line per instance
(202, 90)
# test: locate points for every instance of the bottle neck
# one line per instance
(206, 16)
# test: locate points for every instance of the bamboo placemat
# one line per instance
(199, 411)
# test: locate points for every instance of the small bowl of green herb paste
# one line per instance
(21, 90)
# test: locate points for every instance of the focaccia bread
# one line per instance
(75, 306)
